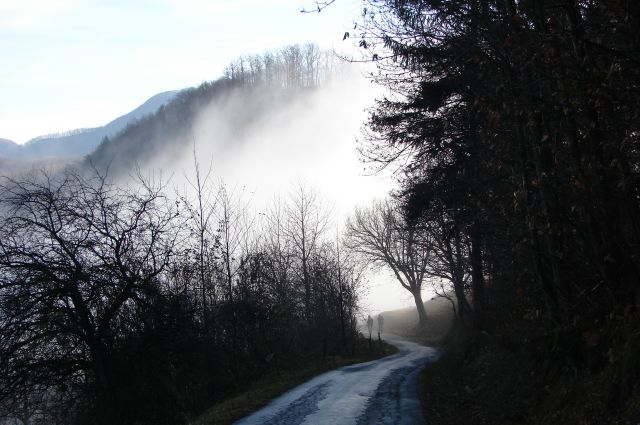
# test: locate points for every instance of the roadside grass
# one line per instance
(476, 382)
(277, 383)
(401, 322)
(404, 322)
(488, 379)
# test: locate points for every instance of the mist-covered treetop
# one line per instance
(251, 88)
(292, 66)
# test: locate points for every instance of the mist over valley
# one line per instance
(430, 216)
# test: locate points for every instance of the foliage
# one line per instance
(256, 84)
(121, 305)
(517, 122)
(382, 237)
(275, 384)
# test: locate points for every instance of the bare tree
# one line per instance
(307, 220)
(234, 231)
(319, 6)
(290, 67)
(280, 249)
(76, 253)
(384, 238)
(201, 207)
(450, 252)
(341, 288)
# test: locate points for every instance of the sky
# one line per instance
(69, 64)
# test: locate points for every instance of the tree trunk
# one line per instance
(464, 309)
(422, 313)
(307, 289)
(477, 275)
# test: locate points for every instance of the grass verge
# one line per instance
(476, 382)
(404, 322)
(277, 383)
(482, 380)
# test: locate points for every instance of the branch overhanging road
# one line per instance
(381, 392)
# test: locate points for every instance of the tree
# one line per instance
(200, 208)
(77, 254)
(491, 101)
(428, 127)
(307, 220)
(383, 237)
(441, 205)
(234, 232)
(291, 67)
(279, 248)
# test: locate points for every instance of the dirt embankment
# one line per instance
(404, 322)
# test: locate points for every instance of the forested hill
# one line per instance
(252, 89)
(75, 143)
(7, 147)
(168, 132)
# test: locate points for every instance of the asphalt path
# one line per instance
(380, 392)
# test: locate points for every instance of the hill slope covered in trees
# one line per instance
(253, 91)
(80, 142)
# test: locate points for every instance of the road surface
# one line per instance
(378, 392)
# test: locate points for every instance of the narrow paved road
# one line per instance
(377, 392)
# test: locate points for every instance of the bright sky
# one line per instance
(69, 64)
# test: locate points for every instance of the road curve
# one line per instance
(378, 392)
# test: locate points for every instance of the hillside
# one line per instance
(80, 142)
(260, 129)
(167, 131)
(8, 147)
(404, 322)
(219, 116)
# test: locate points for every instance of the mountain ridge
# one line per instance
(8, 146)
(82, 141)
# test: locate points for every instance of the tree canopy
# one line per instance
(514, 124)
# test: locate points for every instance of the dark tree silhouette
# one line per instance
(514, 123)
(307, 220)
(76, 253)
(382, 236)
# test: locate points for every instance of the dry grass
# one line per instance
(404, 322)
(277, 383)
(486, 378)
